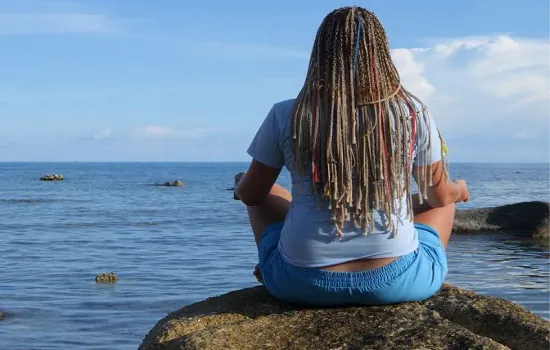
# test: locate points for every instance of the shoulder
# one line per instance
(284, 108)
(282, 112)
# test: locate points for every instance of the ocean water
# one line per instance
(175, 246)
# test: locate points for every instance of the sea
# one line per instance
(174, 246)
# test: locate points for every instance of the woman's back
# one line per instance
(308, 237)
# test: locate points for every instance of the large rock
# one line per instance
(52, 177)
(526, 217)
(252, 319)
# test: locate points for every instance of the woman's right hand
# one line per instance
(464, 193)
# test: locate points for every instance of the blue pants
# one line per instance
(412, 277)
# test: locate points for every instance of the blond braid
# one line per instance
(353, 122)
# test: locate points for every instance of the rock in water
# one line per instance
(176, 183)
(525, 217)
(52, 177)
(252, 319)
(106, 278)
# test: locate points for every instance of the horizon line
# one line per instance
(226, 162)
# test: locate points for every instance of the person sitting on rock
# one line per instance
(352, 232)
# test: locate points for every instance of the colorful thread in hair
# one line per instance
(356, 49)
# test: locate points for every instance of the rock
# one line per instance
(176, 183)
(106, 278)
(52, 177)
(543, 230)
(525, 217)
(252, 319)
(1, 315)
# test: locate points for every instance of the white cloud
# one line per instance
(513, 68)
(157, 131)
(482, 85)
(411, 72)
(522, 135)
(56, 23)
(103, 134)
(165, 132)
(446, 48)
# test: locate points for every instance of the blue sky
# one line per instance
(189, 81)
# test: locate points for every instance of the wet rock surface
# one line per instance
(252, 319)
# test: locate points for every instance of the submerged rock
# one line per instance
(106, 278)
(252, 319)
(525, 217)
(52, 177)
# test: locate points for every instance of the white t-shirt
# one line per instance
(308, 238)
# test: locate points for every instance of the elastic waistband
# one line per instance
(367, 280)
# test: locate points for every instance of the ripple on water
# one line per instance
(513, 268)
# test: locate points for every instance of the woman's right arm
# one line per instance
(429, 168)
(441, 192)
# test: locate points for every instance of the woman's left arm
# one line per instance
(253, 187)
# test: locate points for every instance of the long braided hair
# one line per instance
(354, 125)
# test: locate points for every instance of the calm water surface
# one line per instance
(175, 246)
